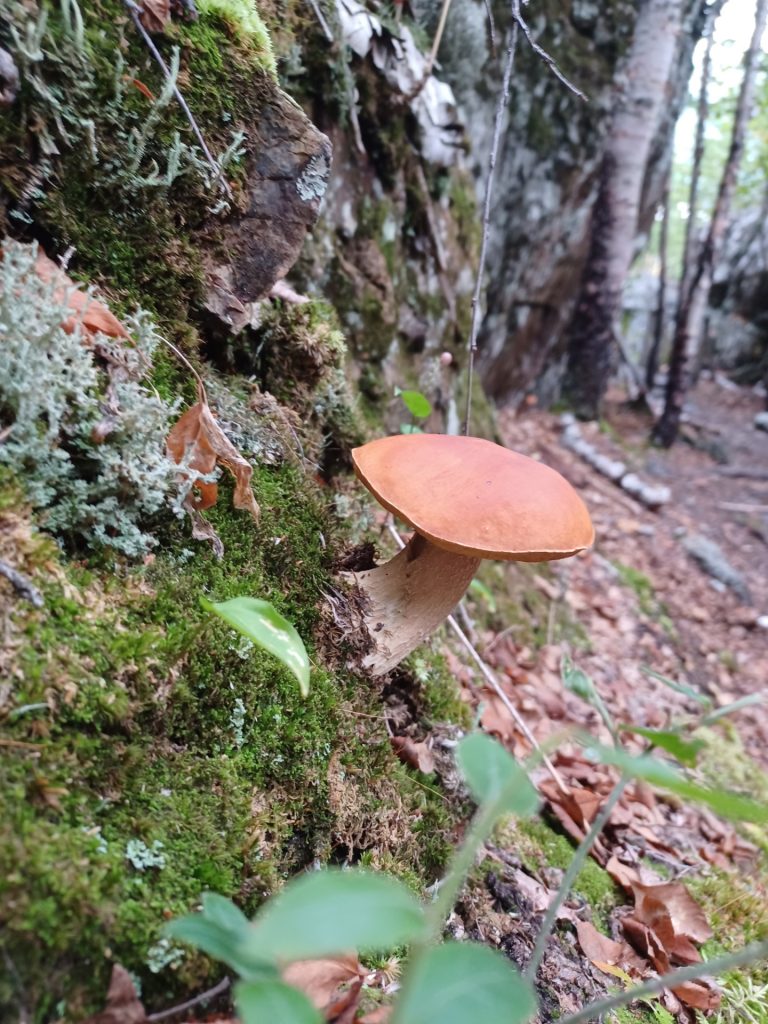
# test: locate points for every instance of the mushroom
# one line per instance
(466, 499)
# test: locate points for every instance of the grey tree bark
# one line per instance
(666, 430)
(591, 333)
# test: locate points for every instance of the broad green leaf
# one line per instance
(494, 776)
(416, 404)
(222, 911)
(273, 1002)
(730, 805)
(686, 751)
(222, 943)
(464, 983)
(331, 912)
(265, 626)
(687, 691)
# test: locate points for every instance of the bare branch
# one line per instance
(549, 61)
(501, 106)
(204, 997)
(21, 584)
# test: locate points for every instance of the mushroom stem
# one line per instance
(409, 597)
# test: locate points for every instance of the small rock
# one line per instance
(762, 621)
(712, 560)
(761, 421)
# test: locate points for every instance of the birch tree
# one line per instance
(592, 335)
(695, 284)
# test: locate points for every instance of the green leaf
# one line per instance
(331, 912)
(577, 681)
(223, 912)
(221, 942)
(686, 751)
(416, 404)
(658, 773)
(494, 776)
(464, 983)
(265, 626)
(273, 1002)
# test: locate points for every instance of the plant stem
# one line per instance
(501, 106)
(757, 951)
(479, 830)
(577, 862)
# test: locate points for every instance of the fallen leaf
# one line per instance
(598, 947)
(155, 14)
(123, 1004)
(332, 985)
(417, 755)
(197, 440)
(701, 995)
(92, 314)
(685, 914)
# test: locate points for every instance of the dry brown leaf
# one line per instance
(599, 948)
(378, 1016)
(701, 995)
(155, 14)
(198, 438)
(417, 755)
(685, 914)
(123, 1004)
(94, 315)
(332, 985)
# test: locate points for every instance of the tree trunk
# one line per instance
(652, 363)
(592, 329)
(666, 430)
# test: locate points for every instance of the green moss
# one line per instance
(244, 15)
(538, 845)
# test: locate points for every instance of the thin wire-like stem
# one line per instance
(321, 19)
(134, 10)
(501, 106)
(438, 38)
(750, 954)
(204, 997)
(549, 61)
(495, 685)
(577, 862)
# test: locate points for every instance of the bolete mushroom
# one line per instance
(466, 499)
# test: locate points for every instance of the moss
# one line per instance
(538, 845)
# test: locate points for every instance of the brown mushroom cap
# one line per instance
(474, 497)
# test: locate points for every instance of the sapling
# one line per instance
(329, 912)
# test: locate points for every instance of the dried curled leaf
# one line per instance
(92, 314)
(198, 441)
(332, 985)
(417, 755)
(155, 14)
(123, 1004)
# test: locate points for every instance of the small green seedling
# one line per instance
(331, 912)
(418, 406)
(265, 626)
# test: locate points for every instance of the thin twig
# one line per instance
(204, 997)
(491, 27)
(134, 10)
(718, 965)
(321, 18)
(21, 584)
(501, 106)
(438, 39)
(574, 867)
(549, 61)
(493, 682)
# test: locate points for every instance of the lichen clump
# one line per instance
(85, 435)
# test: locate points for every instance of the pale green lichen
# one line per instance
(86, 437)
